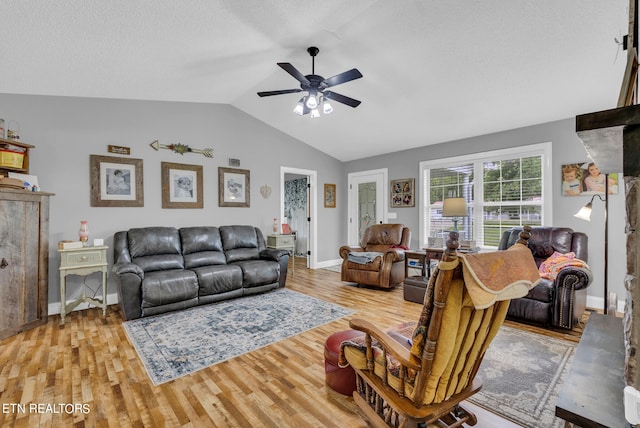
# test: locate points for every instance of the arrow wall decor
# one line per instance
(182, 149)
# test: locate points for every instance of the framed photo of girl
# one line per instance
(115, 182)
(585, 178)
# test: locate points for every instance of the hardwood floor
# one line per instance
(86, 373)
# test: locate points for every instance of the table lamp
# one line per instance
(454, 207)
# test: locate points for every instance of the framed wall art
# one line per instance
(181, 185)
(116, 181)
(233, 187)
(402, 193)
(329, 195)
(585, 179)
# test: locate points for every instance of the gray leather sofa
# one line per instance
(161, 269)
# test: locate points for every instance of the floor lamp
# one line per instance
(585, 214)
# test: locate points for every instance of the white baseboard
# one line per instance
(54, 308)
(598, 303)
(327, 263)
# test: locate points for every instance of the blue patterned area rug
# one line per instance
(178, 343)
(522, 374)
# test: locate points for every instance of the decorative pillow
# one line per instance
(540, 250)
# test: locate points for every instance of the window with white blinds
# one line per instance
(503, 189)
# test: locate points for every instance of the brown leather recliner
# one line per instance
(379, 260)
(557, 303)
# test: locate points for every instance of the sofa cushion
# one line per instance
(163, 287)
(259, 272)
(240, 243)
(155, 248)
(201, 246)
(218, 279)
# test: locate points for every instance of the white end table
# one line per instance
(82, 261)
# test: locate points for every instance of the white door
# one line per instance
(367, 200)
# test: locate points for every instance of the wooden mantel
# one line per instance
(612, 139)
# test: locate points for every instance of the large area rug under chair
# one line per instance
(179, 343)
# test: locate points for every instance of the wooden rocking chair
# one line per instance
(418, 373)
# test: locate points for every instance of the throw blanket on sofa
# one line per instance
(362, 258)
(550, 268)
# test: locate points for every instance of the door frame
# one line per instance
(312, 242)
(382, 194)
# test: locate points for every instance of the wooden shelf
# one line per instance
(6, 144)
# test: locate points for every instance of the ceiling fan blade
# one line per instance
(341, 99)
(347, 76)
(294, 72)
(283, 91)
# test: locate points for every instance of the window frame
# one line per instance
(477, 159)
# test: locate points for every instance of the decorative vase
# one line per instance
(275, 225)
(83, 233)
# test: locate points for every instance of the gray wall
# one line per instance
(567, 148)
(67, 130)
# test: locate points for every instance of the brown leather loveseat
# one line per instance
(560, 302)
(379, 260)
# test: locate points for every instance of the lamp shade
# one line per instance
(454, 207)
(585, 212)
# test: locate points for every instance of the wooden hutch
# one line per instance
(24, 251)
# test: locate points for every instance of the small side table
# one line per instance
(82, 261)
(414, 287)
(424, 257)
(284, 242)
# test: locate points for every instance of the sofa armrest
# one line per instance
(393, 255)
(573, 277)
(274, 254)
(122, 268)
(129, 278)
(346, 249)
(282, 257)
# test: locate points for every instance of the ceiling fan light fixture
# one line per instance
(327, 108)
(312, 101)
(299, 108)
(316, 87)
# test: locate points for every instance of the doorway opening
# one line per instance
(298, 194)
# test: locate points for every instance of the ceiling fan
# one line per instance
(316, 87)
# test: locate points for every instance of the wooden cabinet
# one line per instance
(24, 260)
(12, 146)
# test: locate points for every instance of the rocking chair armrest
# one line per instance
(393, 348)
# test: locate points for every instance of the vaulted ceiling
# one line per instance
(434, 71)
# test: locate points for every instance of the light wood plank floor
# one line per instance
(89, 361)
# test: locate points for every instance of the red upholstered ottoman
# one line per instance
(342, 380)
